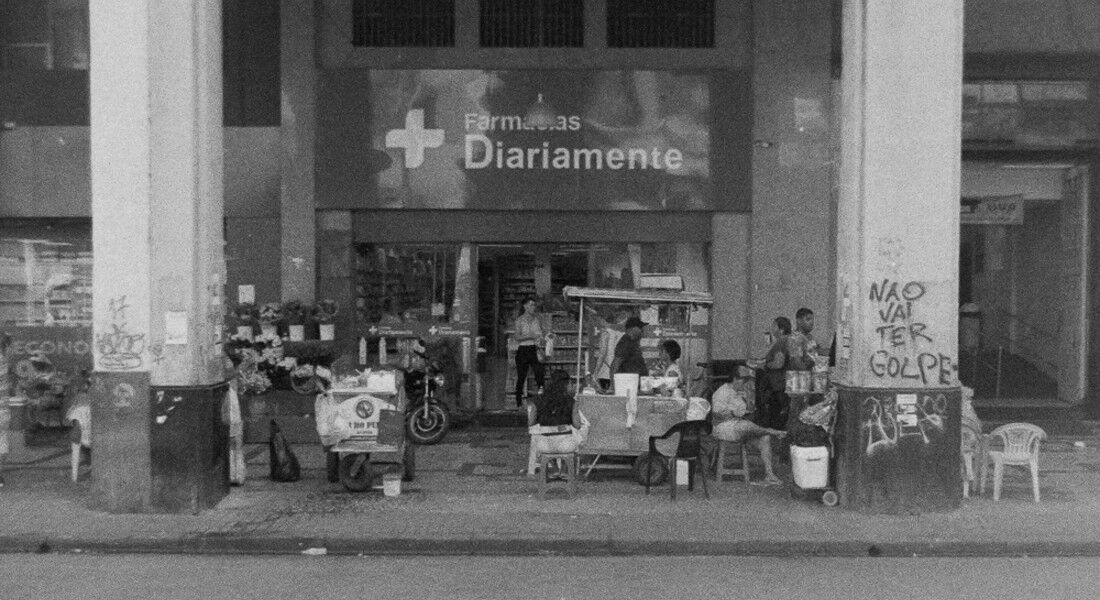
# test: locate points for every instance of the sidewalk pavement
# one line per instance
(470, 498)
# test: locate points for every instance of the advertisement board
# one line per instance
(516, 140)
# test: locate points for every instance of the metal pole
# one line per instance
(688, 341)
(579, 349)
(1000, 353)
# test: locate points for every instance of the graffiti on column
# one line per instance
(905, 341)
(888, 420)
(119, 348)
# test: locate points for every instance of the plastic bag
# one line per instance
(284, 465)
(330, 427)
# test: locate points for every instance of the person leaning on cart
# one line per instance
(628, 352)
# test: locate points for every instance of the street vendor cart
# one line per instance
(364, 423)
(673, 315)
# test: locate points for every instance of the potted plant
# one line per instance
(295, 316)
(269, 315)
(245, 313)
(325, 314)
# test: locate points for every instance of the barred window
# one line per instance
(403, 23)
(532, 23)
(660, 23)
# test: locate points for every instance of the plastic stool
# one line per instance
(567, 474)
(720, 469)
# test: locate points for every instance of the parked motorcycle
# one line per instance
(427, 418)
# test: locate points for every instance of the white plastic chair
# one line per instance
(973, 445)
(1021, 447)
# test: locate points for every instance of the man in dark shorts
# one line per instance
(628, 352)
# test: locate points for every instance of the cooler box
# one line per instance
(810, 466)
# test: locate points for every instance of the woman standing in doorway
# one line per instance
(529, 336)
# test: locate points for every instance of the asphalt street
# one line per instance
(170, 577)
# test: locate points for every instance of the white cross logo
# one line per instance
(414, 138)
(433, 330)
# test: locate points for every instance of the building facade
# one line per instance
(428, 163)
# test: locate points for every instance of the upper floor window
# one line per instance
(43, 34)
(403, 23)
(660, 23)
(532, 23)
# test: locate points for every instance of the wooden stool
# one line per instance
(720, 469)
(567, 474)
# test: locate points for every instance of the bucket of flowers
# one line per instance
(294, 315)
(269, 316)
(259, 361)
(325, 315)
(245, 314)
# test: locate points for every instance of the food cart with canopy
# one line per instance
(682, 316)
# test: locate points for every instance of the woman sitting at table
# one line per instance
(551, 422)
(670, 358)
(732, 410)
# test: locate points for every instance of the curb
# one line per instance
(541, 547)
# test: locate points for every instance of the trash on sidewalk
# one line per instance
(315, 551)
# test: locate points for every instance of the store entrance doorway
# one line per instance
(1023, 283)
(508, 273)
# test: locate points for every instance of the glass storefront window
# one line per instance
(400, 284)
(46, 272)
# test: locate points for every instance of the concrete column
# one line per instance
(897, 255)
(156, 163)
(297, 206)
(729, 278)
(792, 207)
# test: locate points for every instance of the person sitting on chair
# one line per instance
(551, 422)
(732, 407)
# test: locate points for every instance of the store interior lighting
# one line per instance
(540, 115)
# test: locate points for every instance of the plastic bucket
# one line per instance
(391, 485)
(810, 466)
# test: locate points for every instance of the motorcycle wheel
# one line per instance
(427, 429)
(408, 463)
(356, 472)
(657, 474)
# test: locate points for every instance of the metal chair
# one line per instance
(1020, 447)
(688, 448)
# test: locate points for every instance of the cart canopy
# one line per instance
(656, 296)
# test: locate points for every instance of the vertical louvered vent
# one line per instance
(660, 23)
(403, 23)
(532, 23)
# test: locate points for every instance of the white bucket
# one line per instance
(810, 466)
(682, 470)
(391, 485)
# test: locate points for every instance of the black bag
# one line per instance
(284, 465)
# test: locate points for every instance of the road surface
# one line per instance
(148, 577)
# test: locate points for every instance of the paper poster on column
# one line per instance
(175, 328)
(246, 294)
